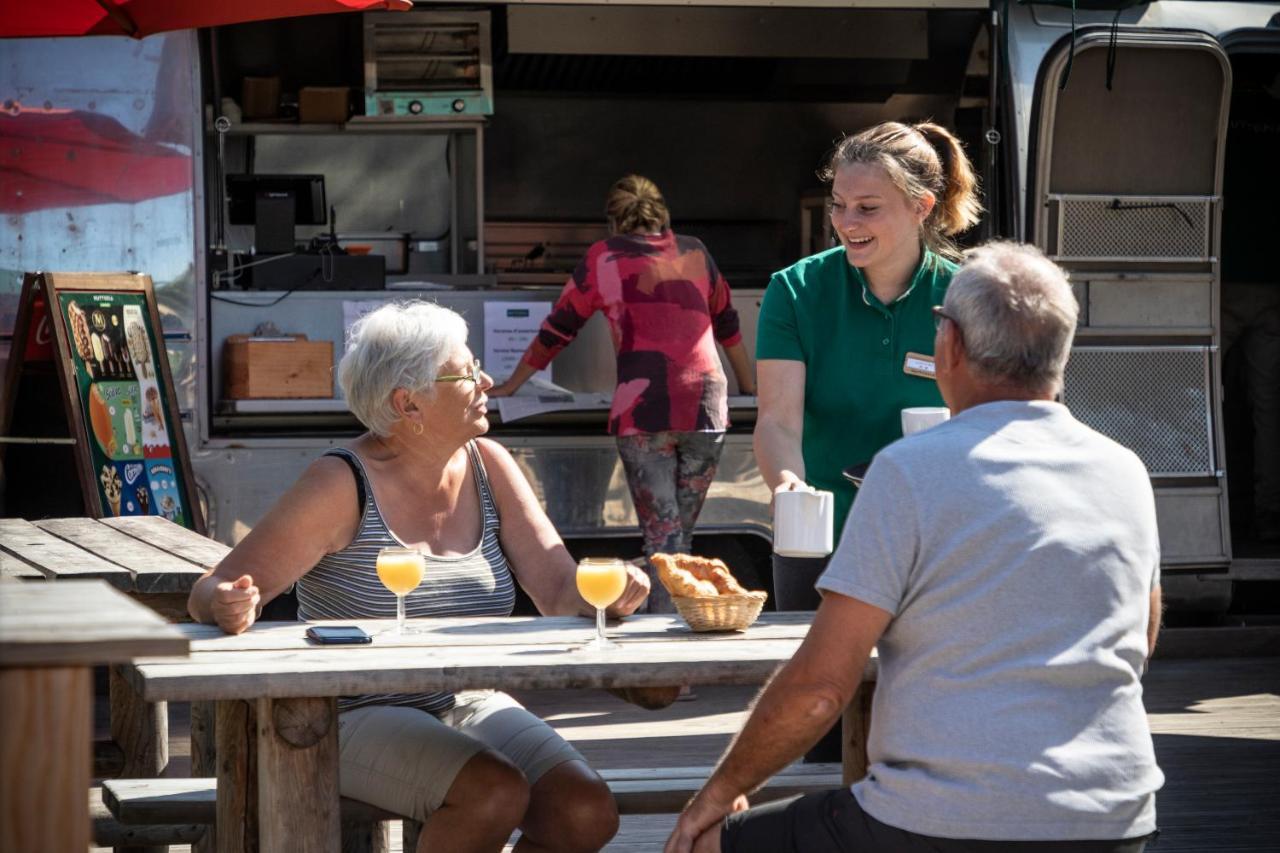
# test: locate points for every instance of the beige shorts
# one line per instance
(404, 760)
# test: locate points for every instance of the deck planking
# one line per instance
(1216, 725)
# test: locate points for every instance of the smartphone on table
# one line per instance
(338, 635)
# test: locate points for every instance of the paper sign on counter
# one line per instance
(509, 327)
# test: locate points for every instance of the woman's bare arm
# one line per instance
(537, 554)
(780, 422)
(317, 516)
(741, 364)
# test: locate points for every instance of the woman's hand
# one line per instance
(506, 389)
(633, 596)
(235, 604)
(791, 482)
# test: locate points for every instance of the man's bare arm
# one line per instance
(803, 699)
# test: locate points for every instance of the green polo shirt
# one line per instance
(821, 312)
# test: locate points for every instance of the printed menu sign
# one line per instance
(120, 399)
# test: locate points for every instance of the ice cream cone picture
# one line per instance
(110, 480)
(153, 406)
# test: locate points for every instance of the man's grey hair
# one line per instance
(1016, 313)
(400, 345)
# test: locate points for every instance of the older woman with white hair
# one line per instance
(472, 766)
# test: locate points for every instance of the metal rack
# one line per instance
(1135, 230)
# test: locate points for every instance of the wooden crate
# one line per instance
(258, 368)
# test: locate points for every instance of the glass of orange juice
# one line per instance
(400, 570)
(601, 581)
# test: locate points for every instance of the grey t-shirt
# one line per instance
(1016, 549)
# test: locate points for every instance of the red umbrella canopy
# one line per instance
(138, 18)
(69, 158)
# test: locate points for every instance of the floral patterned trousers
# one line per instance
(668, 474)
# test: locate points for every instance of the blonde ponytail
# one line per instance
(958, 207)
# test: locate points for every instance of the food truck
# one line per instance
(277, 179)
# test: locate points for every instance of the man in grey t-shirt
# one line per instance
(1006, 564)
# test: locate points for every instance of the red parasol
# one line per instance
(138, 18)
(68, 158)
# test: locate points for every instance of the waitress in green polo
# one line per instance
(841, 331)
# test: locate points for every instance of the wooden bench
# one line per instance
(170, 808)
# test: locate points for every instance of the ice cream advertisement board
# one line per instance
(118, 392)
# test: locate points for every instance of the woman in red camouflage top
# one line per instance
(667, 305)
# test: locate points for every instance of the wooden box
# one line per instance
(274, 368)
(260, 97)
(323, 104)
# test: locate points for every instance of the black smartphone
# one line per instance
(855, 473)
(337, 635)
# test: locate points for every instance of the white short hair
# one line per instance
(1016, 313)
(400, 345)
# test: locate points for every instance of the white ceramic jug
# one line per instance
(920, 418)
(802, 523)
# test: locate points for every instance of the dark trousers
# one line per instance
(833, 822)
(793, 589)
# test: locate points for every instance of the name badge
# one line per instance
(920, 365)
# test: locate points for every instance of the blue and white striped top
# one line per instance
(345, 585)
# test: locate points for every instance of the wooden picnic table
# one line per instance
(277, 694)
(149, 558)
(50, 637)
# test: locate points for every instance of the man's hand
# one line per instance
(696, 830)
(633, 596)
(235, 604)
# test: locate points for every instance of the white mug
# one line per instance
(802, 523)
(922, 417)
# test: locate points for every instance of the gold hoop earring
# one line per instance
(417, 428)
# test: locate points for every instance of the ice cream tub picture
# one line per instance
(166, 499)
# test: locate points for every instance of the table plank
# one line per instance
(352, 670)
(57, 558)
(493, 631)
(154, 570)
(175, 539)
(12, 567)
(79, 622)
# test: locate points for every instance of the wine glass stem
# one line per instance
(600, 640)
(400, 615)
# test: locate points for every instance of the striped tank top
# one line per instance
(345, 585)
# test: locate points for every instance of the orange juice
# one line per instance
(601, 580)
(400, 571)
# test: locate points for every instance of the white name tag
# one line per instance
(920, 365)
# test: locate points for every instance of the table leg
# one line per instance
(204, 727)
(298, 806)
(236, 827)
(141, 730)
(45, 757)
(856, 726)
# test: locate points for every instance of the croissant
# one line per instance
(695, 577)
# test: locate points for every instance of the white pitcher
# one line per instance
(803, 523)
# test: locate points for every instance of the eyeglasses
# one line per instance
(472, 377)
(939, 315)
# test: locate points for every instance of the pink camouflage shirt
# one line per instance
(667, 305)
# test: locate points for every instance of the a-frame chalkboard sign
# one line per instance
(100, 335)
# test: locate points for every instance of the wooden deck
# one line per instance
(1216, 724)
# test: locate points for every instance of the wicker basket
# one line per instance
(721, 612)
